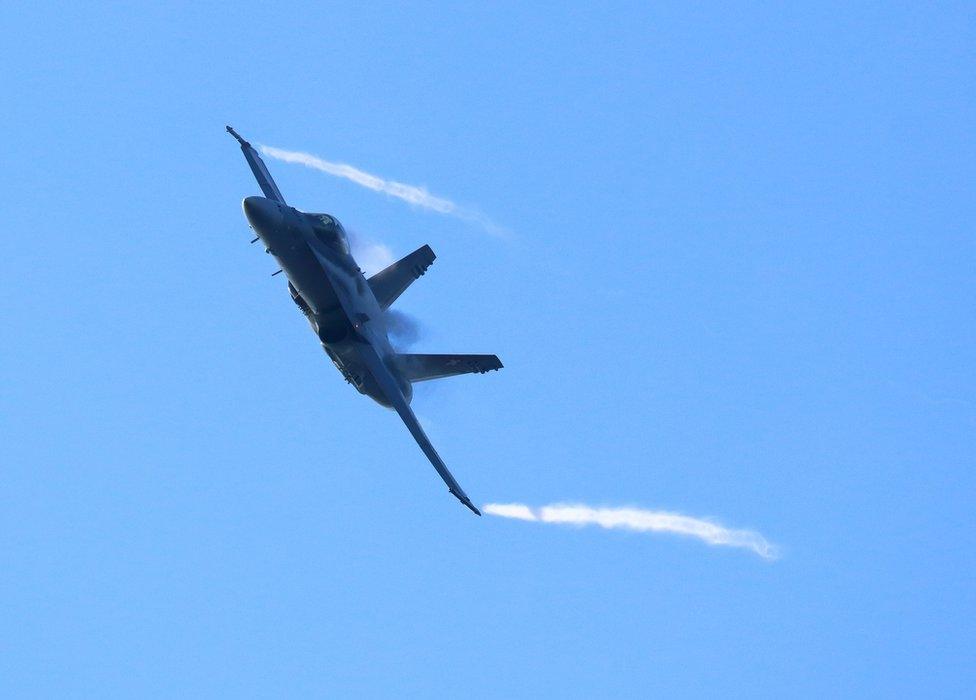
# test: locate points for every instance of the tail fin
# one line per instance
(390, 283)
(419, 368)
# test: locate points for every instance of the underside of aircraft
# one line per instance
(347, 311)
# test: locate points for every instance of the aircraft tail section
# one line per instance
(419, 368)
(394, 280)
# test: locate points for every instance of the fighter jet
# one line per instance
(346, 310)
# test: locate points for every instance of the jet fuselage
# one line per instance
(329, 288)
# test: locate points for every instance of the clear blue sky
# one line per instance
(740, 284)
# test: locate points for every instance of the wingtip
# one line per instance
(230, 130)
(463, 497)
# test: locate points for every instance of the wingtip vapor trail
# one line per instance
(637, 520)
(411, 194)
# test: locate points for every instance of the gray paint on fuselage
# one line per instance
(344, 311)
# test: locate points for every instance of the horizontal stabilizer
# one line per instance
(391, 282)
(419, 368)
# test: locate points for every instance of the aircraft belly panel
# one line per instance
(307, 276)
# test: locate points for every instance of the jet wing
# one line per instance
(259, 169)
(390, 283)
(392, 391)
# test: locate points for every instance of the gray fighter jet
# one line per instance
(346, 310)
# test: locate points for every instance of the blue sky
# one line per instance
(739, 284)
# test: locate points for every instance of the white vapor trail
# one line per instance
(637, 520)
(418, 196)
(371, 256)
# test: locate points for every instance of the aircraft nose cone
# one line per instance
(263, 214)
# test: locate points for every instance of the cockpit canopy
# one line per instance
(328, 230)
